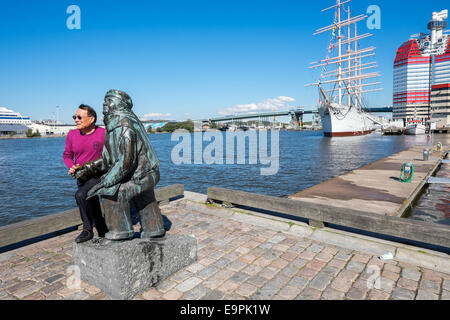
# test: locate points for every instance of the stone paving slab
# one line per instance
(236, 260)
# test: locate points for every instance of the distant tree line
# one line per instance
(172, 126)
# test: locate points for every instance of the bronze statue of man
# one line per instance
(131, 172)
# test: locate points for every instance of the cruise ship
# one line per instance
(13, 122)
(11, 117)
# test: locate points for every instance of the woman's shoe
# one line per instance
(102, 233)
(84, 236)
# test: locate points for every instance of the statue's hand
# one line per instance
(80, 173)
(94, 189)
(89, 169)
(109, 180)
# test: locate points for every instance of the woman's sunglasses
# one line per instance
(77, 117)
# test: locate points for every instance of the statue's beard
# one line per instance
(109, 112)
(118, 111)
(108, 117)
(112, 114)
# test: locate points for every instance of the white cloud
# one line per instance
(156, 116)
(266, 105)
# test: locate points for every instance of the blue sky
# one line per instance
(182, 59)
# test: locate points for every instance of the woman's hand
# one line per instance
(73, 169)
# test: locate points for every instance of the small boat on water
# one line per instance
(415, 127)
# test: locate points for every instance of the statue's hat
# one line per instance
(122, 96)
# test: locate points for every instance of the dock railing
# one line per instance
(33, 228)
(317, 214)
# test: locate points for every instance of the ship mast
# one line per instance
(339, 50)
(357, 96)
(347, 76)
(349, 48)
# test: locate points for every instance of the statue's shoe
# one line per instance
(152, 235)
(119, 235)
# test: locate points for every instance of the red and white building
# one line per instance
(422, 75)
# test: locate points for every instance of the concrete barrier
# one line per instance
(416, 230)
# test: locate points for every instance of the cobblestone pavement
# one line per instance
(236, 260)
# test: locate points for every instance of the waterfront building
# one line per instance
(422, 75)
(48, 129)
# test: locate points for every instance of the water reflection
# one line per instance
(434, 205)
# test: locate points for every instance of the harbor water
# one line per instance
(437, 197)
(34, 181)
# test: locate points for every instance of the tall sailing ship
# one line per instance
(343, 78)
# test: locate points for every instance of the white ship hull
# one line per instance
(10, 117)
(415, 129)
(340, 121)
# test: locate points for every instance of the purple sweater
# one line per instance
(83, 148)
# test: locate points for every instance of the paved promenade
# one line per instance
(246, 255)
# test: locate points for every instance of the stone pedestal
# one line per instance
(123, 269)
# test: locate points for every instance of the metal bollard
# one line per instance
(426, 154)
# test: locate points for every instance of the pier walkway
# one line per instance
(247, 255)
(376, 187)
